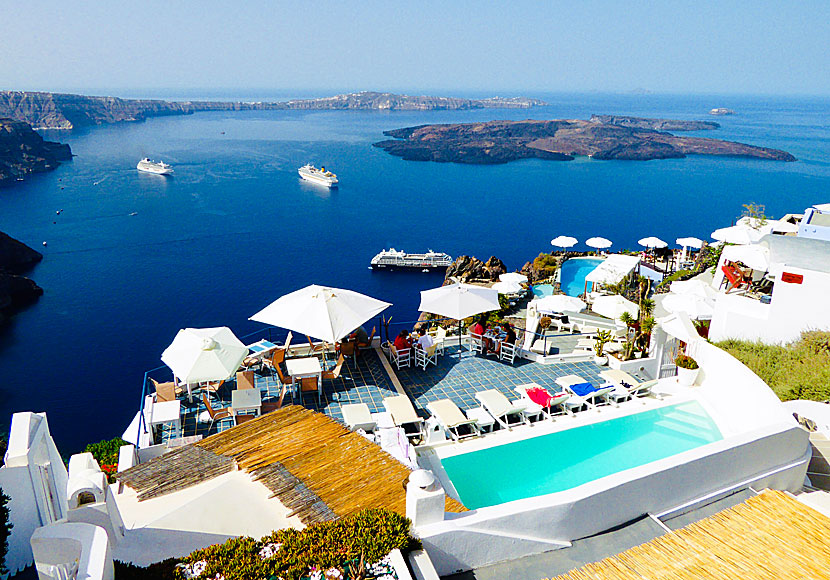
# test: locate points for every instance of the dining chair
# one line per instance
(215, 414)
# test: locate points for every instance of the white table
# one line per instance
(245, 400)
(166, 413)
(299, 368)
(483, 419)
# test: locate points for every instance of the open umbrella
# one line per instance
(690, 242)
(695, 306)
(325, 313)
(652, 242)
(560, 303)
(459, 301)
(612, 306)
(513, 277)
(507, 287)
(739, 234)
(755, 256)
(204, 354)
(563, 241)
(599, 243)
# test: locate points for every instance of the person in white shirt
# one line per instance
(425, 341)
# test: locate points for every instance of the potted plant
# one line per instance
(603, 337)
(687, 370)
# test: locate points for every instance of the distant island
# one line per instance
(601, 137)
(67, 111)
(22, 152)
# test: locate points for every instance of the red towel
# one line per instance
(539, 396)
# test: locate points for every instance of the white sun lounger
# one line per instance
(635, 388)
(357, 416)
(404, 415)
(506, 413)
(450, 417)
(568, 381)
(557, 401)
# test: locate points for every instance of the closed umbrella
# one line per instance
(199, 355)
(695, 306)
(599, 243)
(652, 242)
(507, 287)
(613, 306)
(513, 277)
(563, 241)
(459, 301)
(325, 313)
(560, 303)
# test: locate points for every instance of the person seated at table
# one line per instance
(402, 341)
(360, 335)
(478, 327)
(509, 336)
(425, 340)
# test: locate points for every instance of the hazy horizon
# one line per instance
(706, 48)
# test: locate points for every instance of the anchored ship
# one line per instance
(721, 111)
(318, 176)
(157, 167)
(393, 258)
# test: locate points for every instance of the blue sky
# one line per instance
(517, 46)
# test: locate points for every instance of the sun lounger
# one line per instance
(506, 413)
(404, 415)
(357, 416)
(627, 386)
(450, 417)
(536, 396)
(583, 391)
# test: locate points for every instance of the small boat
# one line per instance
(427, 262)
(157, 167)
(318, 176)
(721, 111)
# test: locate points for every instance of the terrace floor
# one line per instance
(367, 379)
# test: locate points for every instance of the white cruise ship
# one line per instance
(157, 167)
(393, 258)
(318, 176)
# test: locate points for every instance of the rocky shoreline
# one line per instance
(602, 137)
(16, 291)
(23, 152)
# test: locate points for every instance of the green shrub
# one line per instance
(545, 265)
(674, 276)
(106, 454)
(686, 362)
(799, 370)
(292, 554)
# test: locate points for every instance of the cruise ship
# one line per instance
(318, 176)
(393, 258)
(157, 167)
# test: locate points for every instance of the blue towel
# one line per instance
(583, 389)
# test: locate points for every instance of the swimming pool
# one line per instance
(566, 459)
(572, 274)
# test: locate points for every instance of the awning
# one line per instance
(613, 269)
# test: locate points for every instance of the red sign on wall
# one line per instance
(792, 278)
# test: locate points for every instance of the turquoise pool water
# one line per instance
(566, 459)
(573, 272)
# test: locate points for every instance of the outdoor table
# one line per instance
(483, 419)
(309, 366)
(245, 400)
(261, 348)
(164, 413)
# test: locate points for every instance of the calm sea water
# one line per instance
(235, 228)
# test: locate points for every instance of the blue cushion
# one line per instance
(583, 389)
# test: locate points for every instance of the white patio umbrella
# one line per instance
(459, 301)
(755, 256)
(564, 241)
(613, 306)
(690, 242)
(513, 277)
(204, 354)
(560, 303)
(321, 312)
(599, 243)
(507, 287)
(693, 287)
(652, 242)
(695, 306)
(738, 234)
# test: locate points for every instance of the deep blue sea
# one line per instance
(235, 228)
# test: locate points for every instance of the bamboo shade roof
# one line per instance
(314, 465)
(769, 537)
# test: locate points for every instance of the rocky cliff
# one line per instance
(66, 111)
(655, 124)
(22, 151)
(15, 290)
(503, 141)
